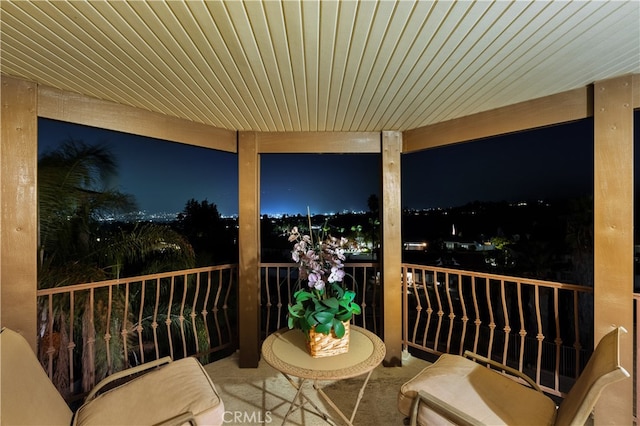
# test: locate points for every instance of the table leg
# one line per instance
(333, 405)
(360, 394)
(300, 395)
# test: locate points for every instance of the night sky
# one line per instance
(538, 164)
(163, 176)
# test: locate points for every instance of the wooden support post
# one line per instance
(18, 208)
(249, 255)
(613, 234)
(391, 247)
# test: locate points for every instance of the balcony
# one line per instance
(251, 81)
(90, 330)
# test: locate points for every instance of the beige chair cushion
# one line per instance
(156, 396)
(478, 391)
(27, 395)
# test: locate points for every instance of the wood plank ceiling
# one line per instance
(319, 65)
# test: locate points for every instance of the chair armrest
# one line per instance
(506, 368)
(125, 373)
(180, 419)
(443, 408)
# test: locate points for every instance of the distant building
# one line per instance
(415, 246)
(456, 244)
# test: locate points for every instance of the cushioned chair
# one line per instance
(167, 393)
(457, 390)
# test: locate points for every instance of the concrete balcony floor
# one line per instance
(262, 395)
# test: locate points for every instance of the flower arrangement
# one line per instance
(324, 303)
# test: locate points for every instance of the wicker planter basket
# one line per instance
(321, 345)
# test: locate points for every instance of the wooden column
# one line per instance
(391, 247)
(249, 254)
(613, 234)
(18, 208)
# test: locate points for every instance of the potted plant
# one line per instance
(323, 306)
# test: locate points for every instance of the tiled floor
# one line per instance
(262, 396)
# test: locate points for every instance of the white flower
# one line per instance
(337, 274)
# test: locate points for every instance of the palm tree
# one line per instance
(72, 195)
(76, 247)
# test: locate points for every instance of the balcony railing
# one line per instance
(88, 331)
(541, 328)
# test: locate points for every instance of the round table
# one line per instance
(285, 350)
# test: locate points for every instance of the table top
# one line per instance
(285, 350)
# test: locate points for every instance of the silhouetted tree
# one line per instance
(579, 236)
(212, 241)
(374, 221)
(72, 195)
(373, 204)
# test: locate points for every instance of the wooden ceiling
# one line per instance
(319, 65)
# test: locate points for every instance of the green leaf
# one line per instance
(302, 295)
(331, 303)
(344, 316)
(337, 290)
(324, 317)
(349, 295)
(309, 318)
(318, 306)
(338, 328)
(324, 328)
